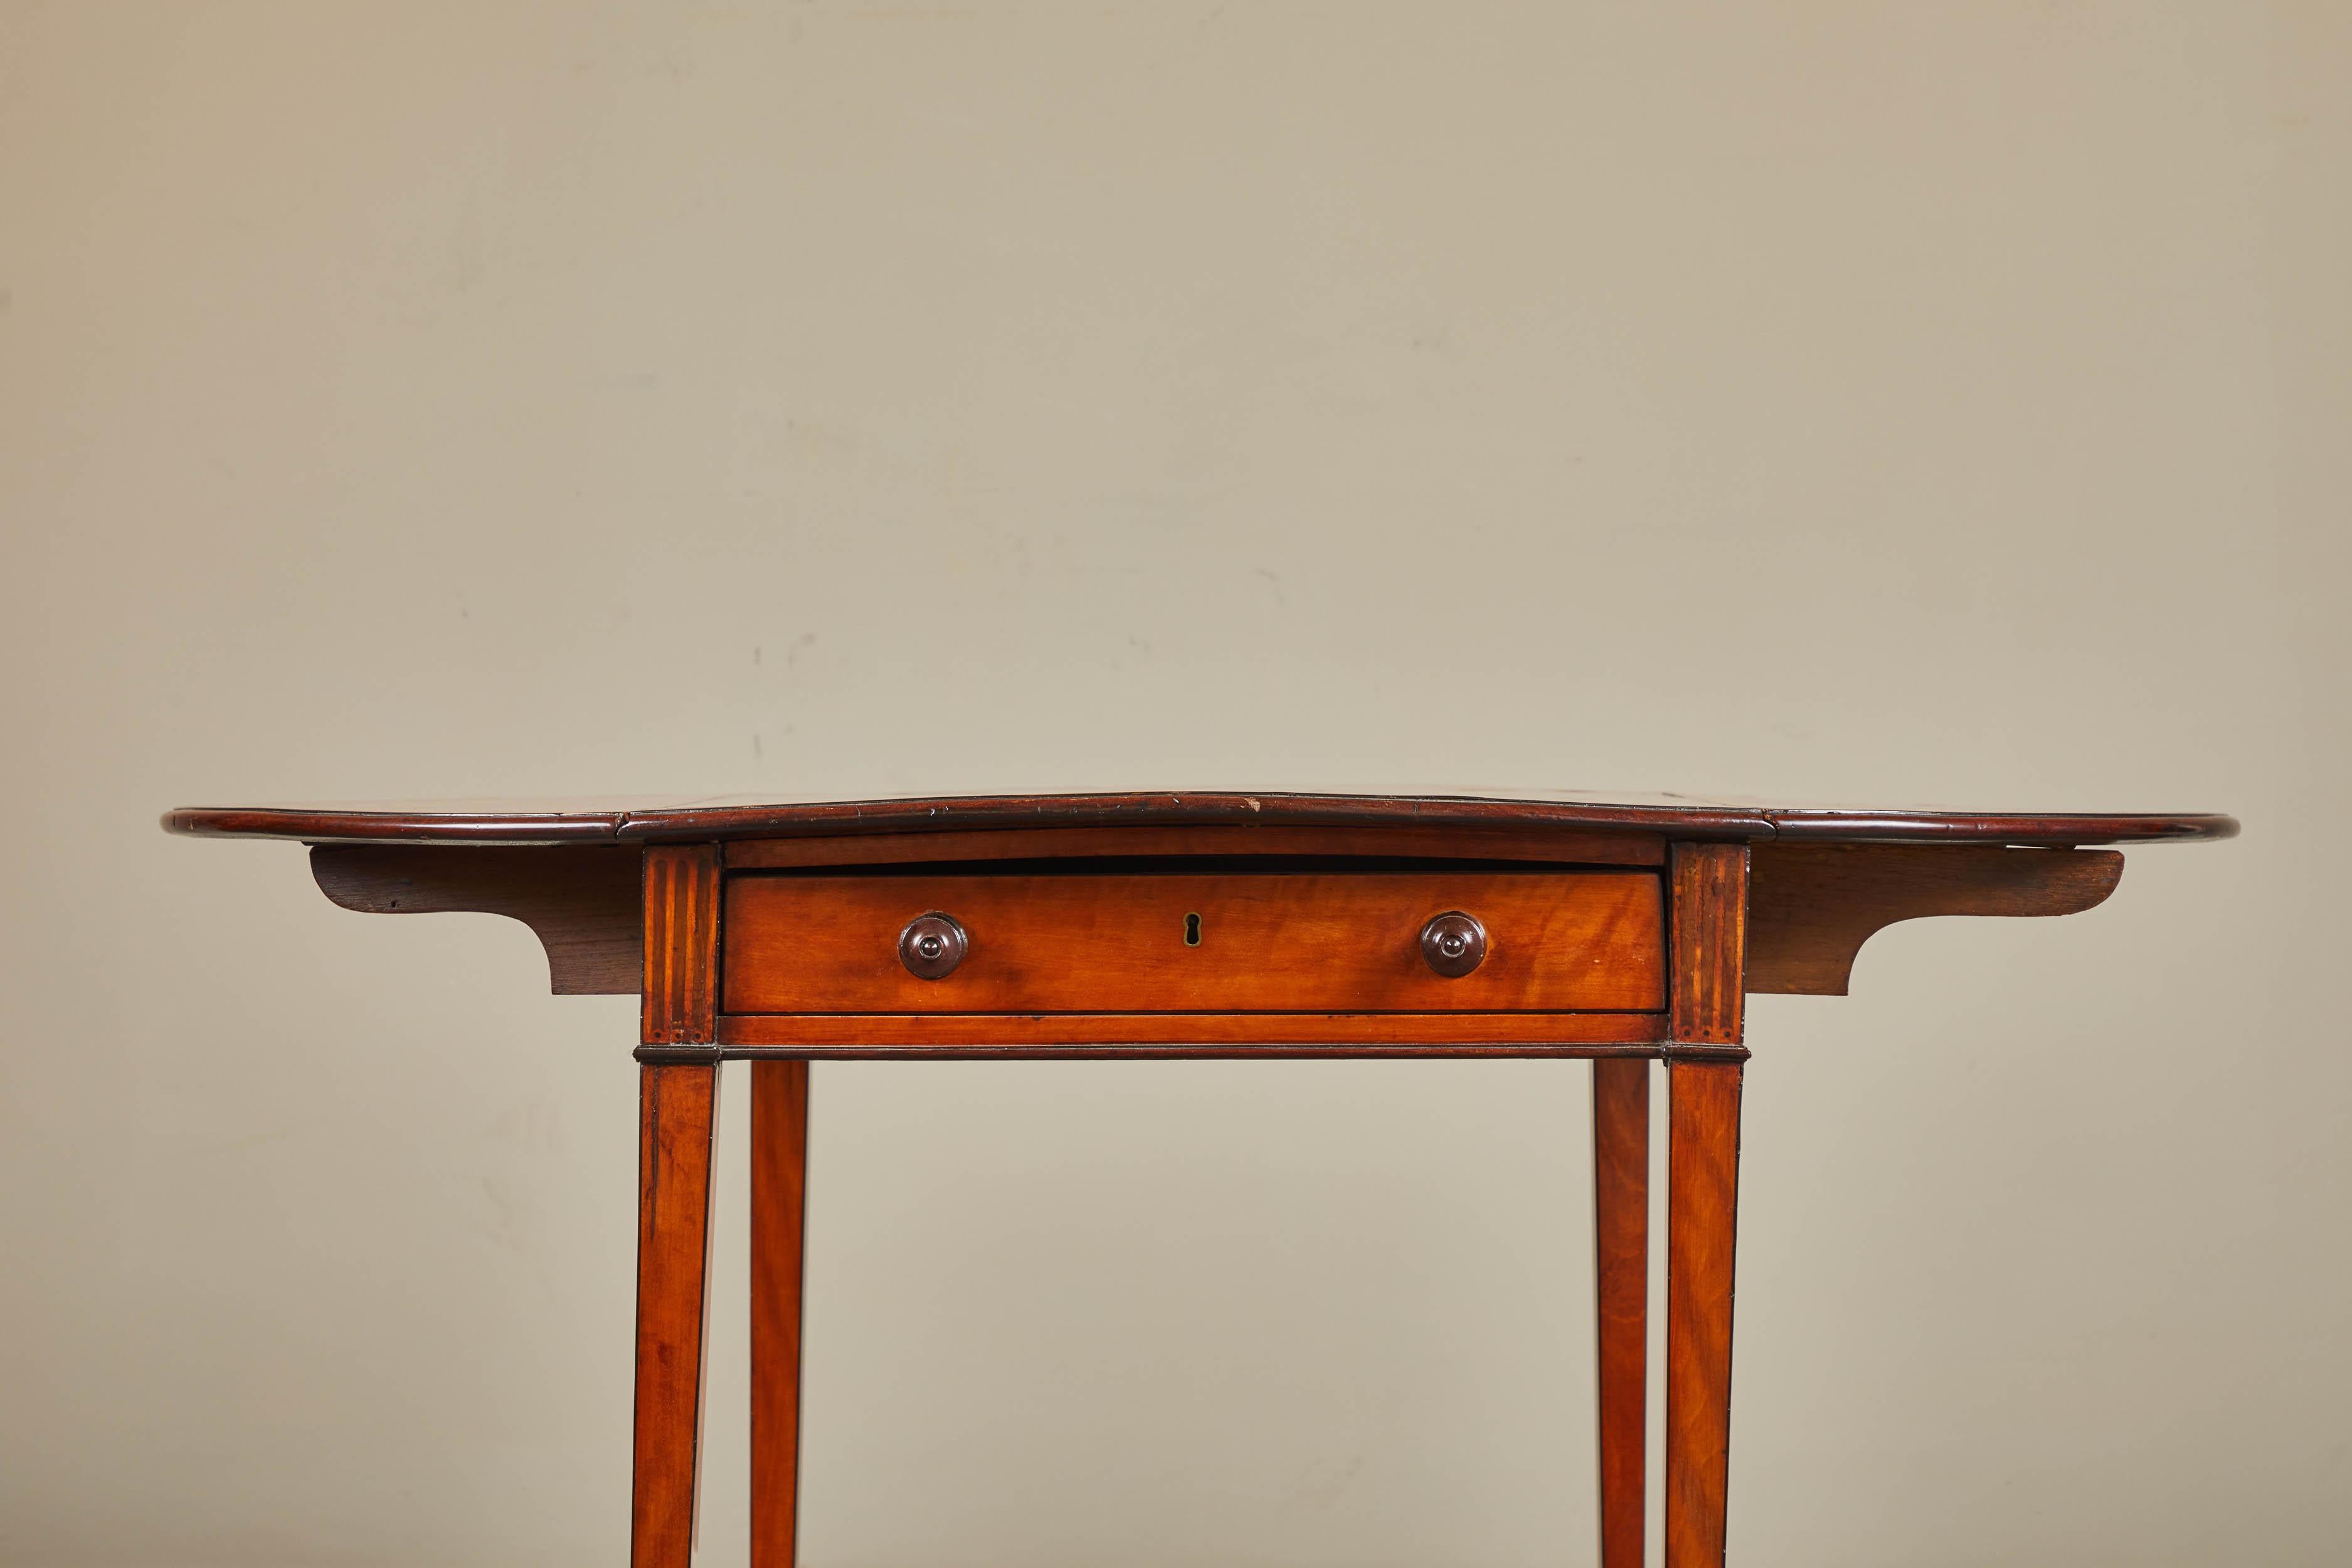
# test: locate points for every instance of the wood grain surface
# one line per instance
(552, 822)
(1117, 944)
(1621, 1247)
(780, 1107)
(681, 943)
(1702, 1209)
(1566, 845)
(1709, 946)
(1067, 1035)
(1811, 906)
(1709, 943)
(677, 1111)
(581, 900)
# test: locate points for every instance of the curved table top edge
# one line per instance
(467, 823)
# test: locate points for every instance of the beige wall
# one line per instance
(1866, 402)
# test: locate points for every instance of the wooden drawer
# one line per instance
(1118, 942)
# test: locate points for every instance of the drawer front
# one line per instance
(1555, 941)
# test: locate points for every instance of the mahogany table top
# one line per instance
(714, 818)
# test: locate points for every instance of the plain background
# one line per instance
(1866, 403)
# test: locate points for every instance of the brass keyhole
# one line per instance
(1192, 931)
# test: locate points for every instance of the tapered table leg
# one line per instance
(1620, 1246)
(1701, 1202)
(779, 1228)
(676, 1113)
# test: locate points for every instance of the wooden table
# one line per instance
(1621, 931)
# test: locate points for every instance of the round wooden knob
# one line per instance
(1454, 944)
(932, 945)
